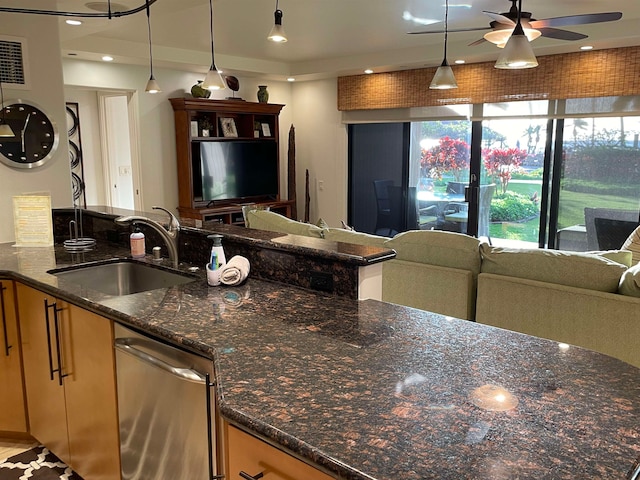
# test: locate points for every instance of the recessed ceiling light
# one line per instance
(459, 62)
(586, 47)
(107, 58)
(291, 79)
(368, 71)
(73, 22)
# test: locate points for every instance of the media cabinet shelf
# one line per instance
(232, 214)
(198, 121)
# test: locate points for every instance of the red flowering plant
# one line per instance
(450, 155)
(501, 162)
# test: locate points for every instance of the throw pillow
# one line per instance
(573, 269)
(630, 282)
(435, 247)
(621, 256)
(349, 236)
(632, 243)
(274, 222)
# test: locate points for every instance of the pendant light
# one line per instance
(517, 53)
(213, 80)
(152, 85)
(277, 32)
(444, 78)
(5, 128)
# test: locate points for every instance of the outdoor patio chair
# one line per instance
(383, 217)
(456, 214)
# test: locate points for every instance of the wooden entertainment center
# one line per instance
(200, 121)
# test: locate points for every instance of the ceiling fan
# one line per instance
(502, 25)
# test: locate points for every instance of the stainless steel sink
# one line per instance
(122, 277)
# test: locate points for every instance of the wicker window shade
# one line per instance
(601, 73)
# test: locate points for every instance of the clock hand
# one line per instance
(24, 129)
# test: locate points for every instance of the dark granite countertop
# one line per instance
(370, 390)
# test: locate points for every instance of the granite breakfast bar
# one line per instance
(371, 390)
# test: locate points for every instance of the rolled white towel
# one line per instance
(235, 271)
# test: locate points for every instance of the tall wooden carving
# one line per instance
(307, 198)
(291, 172)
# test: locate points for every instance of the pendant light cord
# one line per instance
(446, 27)
(213, 62)
(149, 29)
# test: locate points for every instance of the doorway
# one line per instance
(119, 140)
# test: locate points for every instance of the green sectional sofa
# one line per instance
(591, 300)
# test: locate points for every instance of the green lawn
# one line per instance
(571, 209)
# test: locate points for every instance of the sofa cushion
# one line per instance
(575, 269)
(351, 236)
(434, 247)
(630, 282)
(274, 222)
(632, 243)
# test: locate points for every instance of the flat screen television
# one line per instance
(234, 170)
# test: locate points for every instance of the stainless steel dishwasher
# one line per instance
(166, 406)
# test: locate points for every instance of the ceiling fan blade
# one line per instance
(498, 17)
(474, 29)
(480, 41)
(561, 34)
(577, 19)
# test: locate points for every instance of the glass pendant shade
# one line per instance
(517, 54)
(444, 78)
(152, 86)
(213, 80)
(6, 131)
(277, 32)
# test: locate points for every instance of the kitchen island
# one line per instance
(370, 390)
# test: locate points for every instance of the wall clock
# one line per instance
(36, 136)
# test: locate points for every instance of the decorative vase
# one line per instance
(198, 92)
(263, 94)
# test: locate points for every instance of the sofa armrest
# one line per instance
(608, 323)
(448, 291)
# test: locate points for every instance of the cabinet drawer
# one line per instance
(252, 456)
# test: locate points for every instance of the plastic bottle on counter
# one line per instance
(217, 252)
(137, 243)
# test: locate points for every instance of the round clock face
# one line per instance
(35, 136)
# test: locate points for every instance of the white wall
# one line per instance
(321, 147)
(46, 90)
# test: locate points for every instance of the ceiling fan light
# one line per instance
(517, 53)
(501, 37)
(6, 131)
(213, 80)
(277, 32)
(444, 79)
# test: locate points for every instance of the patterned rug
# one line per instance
(38, 464)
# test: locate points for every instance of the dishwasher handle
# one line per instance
(125, 345)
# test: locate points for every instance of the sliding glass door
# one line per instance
(554, 174)
(599, 187)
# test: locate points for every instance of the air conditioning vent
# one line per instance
(12, 66)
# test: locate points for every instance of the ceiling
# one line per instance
(326, 37)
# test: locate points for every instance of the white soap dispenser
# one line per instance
(217, 252)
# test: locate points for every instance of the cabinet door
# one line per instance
(45, 391)
(252, 456)
(90, 390)
(12, 412)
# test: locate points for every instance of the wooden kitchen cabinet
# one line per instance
(12, 405)
(69, 371)
(246, 453)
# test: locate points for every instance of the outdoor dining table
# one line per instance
(440, 200)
